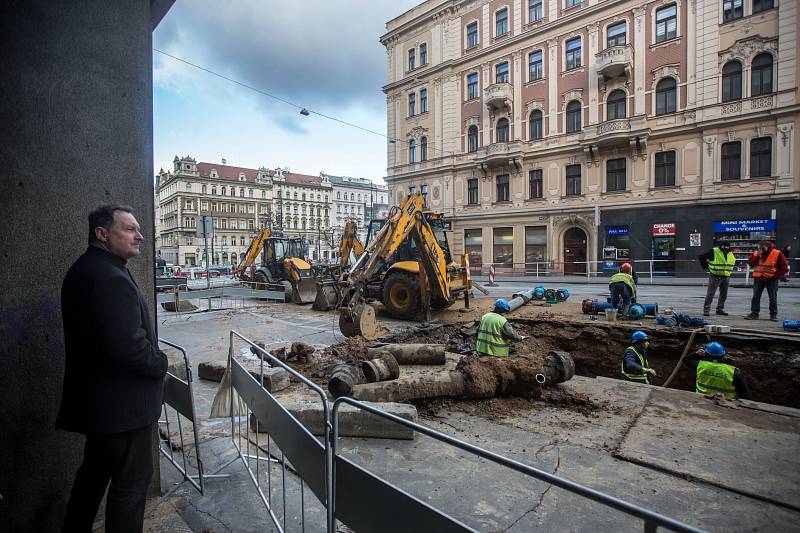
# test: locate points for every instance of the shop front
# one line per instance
(663, 249)
(744, 236)
(616, 247)
(473, 247)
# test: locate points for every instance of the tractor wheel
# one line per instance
(289, 291)
(401, 295)
(260, 281)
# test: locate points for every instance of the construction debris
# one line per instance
(275, 379)
(411, 354)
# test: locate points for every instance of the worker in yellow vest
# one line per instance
(719, 262)
(623, 288)
(494, 331)
(769, 266)
(634, 362)
(713, 376)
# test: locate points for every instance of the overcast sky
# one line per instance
(322, 55)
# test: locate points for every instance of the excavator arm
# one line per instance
(349, 243)
(253, 251)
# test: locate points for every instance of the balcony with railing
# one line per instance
(615, 131)
(498, 95)
(614, 61)
(498, 154)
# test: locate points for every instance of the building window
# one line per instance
(501, 134)
(731, 81)
(188, 187)
(472, 191)
(534, 10)
(241, 192)
(501, 73)
(535, 244)
(472, 86)
(616, 35)
(616, 105)
(665, 169)
(472, 35)
(503, 247)
(731, 160)
(666, 96)
(472, 139)
(412, 151)
(535, 184)
(732, 10)
(473, 246)
(762, 5)
(535, 125)
(761, 157)
(535, 70)
(203, 188)
(574, 112)
(573, 180)
(423, 190)
(666, 23)
(502, 188)
(214, 190)
(423, 54)
(412, 58)
(501, 23)
(615, 174)
(423, 149)
(412, 189)
(574, 53)
(423, 100)
(412, 104)
(761, 75)
(572, 3)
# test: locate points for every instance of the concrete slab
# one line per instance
(740, 449)
(354, 422)
(275, 379)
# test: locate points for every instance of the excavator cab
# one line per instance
(282, 263)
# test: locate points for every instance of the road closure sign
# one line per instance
(664, 230)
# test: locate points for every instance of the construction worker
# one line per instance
(716, 377)
(622, 287)
(494, 331)
(719, 262)
(769, 266)
(634, 362)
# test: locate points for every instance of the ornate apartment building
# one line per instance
(571, 134)
(239, 200)
(358, 200)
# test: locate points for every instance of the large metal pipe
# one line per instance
(521, 298)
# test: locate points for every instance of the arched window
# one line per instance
(472, 139)
(615, 105)
(535, 125)
(412, 151)
(423, 149)
(666, 96)
(761, 75)
(731, 81)
(501, 135)
(574, 112)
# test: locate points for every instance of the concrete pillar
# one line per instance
(639, 53)
(77, 133)
(592, 100)
(552, 85)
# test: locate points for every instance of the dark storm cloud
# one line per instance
(323, 55)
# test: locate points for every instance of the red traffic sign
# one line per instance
(197, 250)
(661, 230)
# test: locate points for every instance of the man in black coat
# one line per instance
(114, 375)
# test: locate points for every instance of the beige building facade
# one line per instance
(239, 200)
(569, 135)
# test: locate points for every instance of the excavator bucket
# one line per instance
(305, 290)
(327, 295)
(360, 322)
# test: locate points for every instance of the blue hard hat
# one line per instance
(502, 305)
(715, 349)
(639, 336)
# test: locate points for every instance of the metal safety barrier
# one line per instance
(373, 517)
(179, 396)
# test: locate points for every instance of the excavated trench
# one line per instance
(771, 365)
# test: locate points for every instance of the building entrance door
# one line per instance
(664, 256)
(574, 251)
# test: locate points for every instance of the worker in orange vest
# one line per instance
(769, 266)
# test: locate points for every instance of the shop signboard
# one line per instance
(617, 230)
(664, 230)
(741, 226)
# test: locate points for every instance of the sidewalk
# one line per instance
(736, 281)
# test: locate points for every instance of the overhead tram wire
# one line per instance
(305, 111)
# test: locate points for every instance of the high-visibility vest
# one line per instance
(490, 336)
(627, 279)
(715, 378)
(722, 265)
(767, 268)
(642, 377)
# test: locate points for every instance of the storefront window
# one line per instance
(535, 245)
(617, 246)
(503, 247)
(473, 247)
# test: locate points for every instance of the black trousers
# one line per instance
(772, 293)
(125, 460)
(620, 291)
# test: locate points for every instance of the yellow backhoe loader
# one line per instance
(407, 266)
(330, 278)
(282, 266)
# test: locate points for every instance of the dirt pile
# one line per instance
(489, 377)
